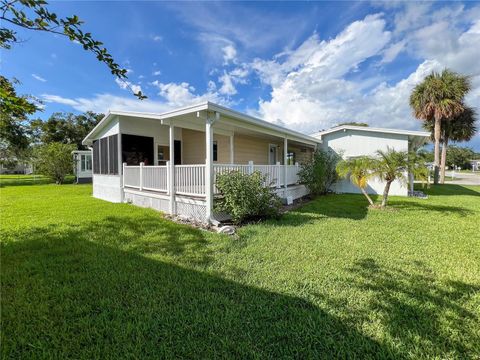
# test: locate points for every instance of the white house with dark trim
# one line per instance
(169, 161)
(352, 141)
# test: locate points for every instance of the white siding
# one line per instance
(107, 187)
(111, 129)
(351, 143)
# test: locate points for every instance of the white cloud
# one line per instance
(127, 85)
(229, 54)
(101, 103)
(227, 87)
(157, 38)
(157, 73)
(183, 94)
(392, 51)
(39, 78)
(312, 86)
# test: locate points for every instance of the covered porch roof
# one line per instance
(227, 122)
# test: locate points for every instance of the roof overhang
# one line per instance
(372, 129)
(233, 116)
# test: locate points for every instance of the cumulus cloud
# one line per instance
(227, 85)
(229, 54)
(183, 94)
(313, 87)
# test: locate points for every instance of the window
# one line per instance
(105, 156)
(85, 162)
(215, 151)
(96, 157)
(163, 155)
(137, 149)
(290, 158)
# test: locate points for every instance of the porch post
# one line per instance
(209, 167)
(285, 159)
(171, 170)
(231, 150)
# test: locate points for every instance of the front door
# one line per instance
(178, 152)
(272, 153)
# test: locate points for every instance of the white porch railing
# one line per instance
(190, 179)
(155, 178)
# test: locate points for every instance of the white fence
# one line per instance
(190, 179)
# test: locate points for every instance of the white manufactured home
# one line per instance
(82, 168)
(353, 141)
(170, 161)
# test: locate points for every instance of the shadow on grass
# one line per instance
(417, 308)
(66, 296)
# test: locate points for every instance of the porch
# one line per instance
(171, 161)
(181, 189)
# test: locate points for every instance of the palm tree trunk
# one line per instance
(370, 201)
(436, 150)
(444, 160)
(385, 193)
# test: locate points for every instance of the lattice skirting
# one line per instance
(192, 208)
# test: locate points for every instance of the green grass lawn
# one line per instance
(19, 179)
(84, 278)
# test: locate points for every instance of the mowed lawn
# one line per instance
(84, 278)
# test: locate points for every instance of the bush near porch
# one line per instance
(83, 278)
(246, 197)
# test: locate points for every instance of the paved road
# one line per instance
(463, 178)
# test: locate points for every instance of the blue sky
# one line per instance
(307, 66)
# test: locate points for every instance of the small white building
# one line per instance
(83, 166)
(353, 141)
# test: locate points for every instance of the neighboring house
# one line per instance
(169, 161)
(352, 141)
(475, 164)
(83, 166)
(19, 168)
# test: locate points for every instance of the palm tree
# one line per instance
(439, 96)
(359, 171)
(461, 128)
(391, 165)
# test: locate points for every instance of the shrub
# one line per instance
(246, 197)
(54, 160)
(319, 174)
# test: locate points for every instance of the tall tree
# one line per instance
(462, 127)
(439, 96)
(14, 110)
(66, 128)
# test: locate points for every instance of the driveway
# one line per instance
(463, 178)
